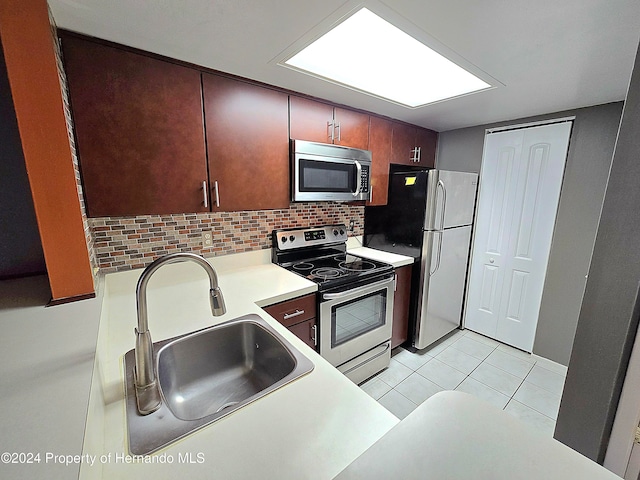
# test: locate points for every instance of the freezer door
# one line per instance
(451, 199)
(443, 274)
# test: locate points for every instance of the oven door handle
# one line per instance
(355, 291)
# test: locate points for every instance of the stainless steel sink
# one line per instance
(210, 373)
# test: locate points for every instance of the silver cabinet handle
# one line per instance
(337, 127)
(314, 334)
(358, 178)
(205, 197)
(330, 130)
(297, 313)
(419, 154)
(217, 193)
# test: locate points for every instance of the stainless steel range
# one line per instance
(355, 297)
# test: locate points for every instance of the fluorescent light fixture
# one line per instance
(367, 53)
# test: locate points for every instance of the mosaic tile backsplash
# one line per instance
(64, 88)
(123, 243)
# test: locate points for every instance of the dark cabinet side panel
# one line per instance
(247, 144)
(380, 146)
(400, 330)
(139, 130)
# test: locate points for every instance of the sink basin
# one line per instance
(208, 374)
(208, 371)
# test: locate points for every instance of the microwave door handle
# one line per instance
(355, 291)
(358, 178)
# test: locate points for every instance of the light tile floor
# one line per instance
(527, 387)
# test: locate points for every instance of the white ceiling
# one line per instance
(549, 55)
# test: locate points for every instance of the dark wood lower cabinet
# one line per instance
(306, 331)
(400, 332)
(299, 316)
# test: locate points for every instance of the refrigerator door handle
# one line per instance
(444, 203)
(438, 255)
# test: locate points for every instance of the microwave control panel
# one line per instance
(364, 179)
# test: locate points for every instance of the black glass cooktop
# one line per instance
(337, 269)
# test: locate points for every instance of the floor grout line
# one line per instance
(511, 398)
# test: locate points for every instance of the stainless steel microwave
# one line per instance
(322, 172)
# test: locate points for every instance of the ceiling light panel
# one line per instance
(369, 54)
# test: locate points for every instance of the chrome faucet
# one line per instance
(147, 391)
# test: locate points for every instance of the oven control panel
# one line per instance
(309, 237)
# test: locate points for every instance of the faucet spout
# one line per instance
(147, 391)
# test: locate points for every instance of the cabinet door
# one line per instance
(306, 332)
(400, 330)
(426, 140)
(353, 128)
(403, 144)
(247, 144)
(380, 146)
(138, 123)
(309, 120)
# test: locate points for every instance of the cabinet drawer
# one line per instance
(293, 311)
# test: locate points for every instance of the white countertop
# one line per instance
(453, 435)
(354, 245)
(311, 428)
(46, 365)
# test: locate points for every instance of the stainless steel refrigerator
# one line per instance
(429, 216)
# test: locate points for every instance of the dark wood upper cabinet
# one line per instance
(247, 144)
(353, 128)
(426, 141)
(380, 146)
(139, 130)
(320, 122)
(309, 120)
(403, 144)
(412, 145)
(141, 125)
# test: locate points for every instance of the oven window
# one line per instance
(316, 176)
(356, 317)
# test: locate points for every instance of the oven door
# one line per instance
(355, 319)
